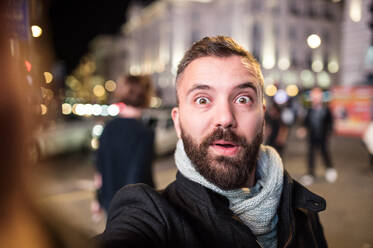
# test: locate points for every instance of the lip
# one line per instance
(225, 148)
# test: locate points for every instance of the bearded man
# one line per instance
(230, 191)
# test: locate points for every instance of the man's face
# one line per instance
(220, 118)
(316, 96)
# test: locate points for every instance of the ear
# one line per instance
(175, 118)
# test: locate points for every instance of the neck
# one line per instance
(130, 112)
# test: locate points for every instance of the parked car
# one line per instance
(64, 137)
(165, 134)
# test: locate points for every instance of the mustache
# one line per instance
(226, 135)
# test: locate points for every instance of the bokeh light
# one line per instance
(314, 41)
(48, 77)
(113, 110)
(270, 90)
(317, 66)
(66, 109)
(44, 109)
(284, 64)
(99, 90)
(292, 90)
(36, 31)
(110, 85)
(281, 97)
(333, 67)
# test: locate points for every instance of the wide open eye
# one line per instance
(202, 100)
(242, 100)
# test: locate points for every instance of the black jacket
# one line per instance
(322, 131)
(187, 214)
(124, 157)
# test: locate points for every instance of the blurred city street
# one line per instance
(68, 66)
(347, 220)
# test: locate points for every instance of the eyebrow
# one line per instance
(207, 87)
(198, 87)
(247, 85)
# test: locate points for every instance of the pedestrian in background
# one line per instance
(276, 131)
(125, 151)
(319, 126)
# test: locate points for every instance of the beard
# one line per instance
(225, 172)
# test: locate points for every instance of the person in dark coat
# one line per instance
(126, 145)
(276, 129)
(230, 190)
(319, 125)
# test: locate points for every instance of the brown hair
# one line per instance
(218, 46)
(135, 91)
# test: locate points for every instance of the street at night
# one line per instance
(349, 199)
(94, 96)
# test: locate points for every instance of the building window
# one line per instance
(326, 59)
(293, 8)
(276, 30)
(309, 59)
(311, 11)
(195, 22)
(257, 41)
(293, 58)
(292, 32)
(276, 8)
(326, 36)
(256, 5)
(328, 12)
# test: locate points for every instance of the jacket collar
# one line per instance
(202, 195)
(294, 197)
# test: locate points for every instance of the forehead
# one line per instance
(217, 71)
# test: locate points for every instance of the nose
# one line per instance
(225, 116)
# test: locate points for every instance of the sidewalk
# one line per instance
(348, 219)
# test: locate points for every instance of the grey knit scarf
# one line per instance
(257, 206)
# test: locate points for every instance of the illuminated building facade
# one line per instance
(356, 47)
(276, 32)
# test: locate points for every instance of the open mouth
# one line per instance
(226, 148)
(225, 145)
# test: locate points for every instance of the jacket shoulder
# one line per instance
(137, 218)
(301, 197)
(301, 215)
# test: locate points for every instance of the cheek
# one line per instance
(250, 125)
(195, 125)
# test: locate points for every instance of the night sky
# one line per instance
(75, 23)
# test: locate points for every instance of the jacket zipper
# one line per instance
(259, 244)
(291, 233)
(292, 218)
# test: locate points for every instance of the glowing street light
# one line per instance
(314, 41)
(271, 90)
(48, 77)
(36, 31)
(292, 90)
(44, 109)
(99, 90)
(110, 85)
(333, 67)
